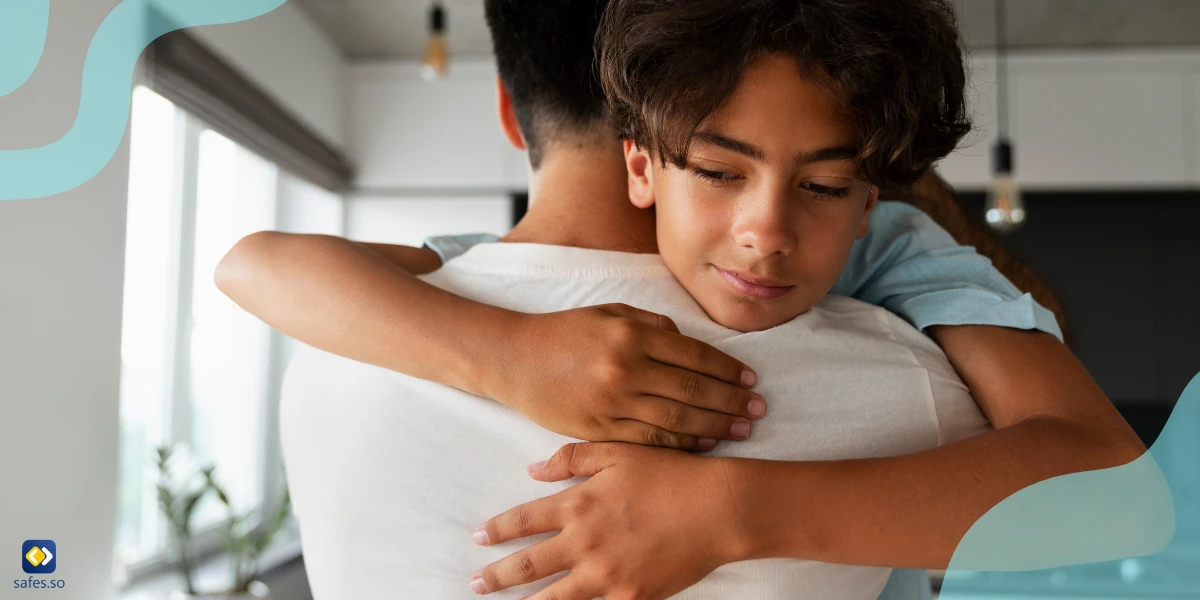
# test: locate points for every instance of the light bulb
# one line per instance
(436, 62)
(1004, 210)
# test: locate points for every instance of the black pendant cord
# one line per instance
(1002, 69)
(437, 18)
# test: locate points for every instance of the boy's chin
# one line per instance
(747, 317)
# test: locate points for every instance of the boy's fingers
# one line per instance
(571, 587)
(644, 433)
(582, 459)
(701, 391)
(525, 566)
(644, 316)
(693, 355)
(531, 518)
(687, 423)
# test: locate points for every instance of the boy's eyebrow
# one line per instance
(731, 144)
(826, 155)
(750, 151)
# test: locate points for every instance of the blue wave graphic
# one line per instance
(104, 97)
(23, 26)
(1128, 532)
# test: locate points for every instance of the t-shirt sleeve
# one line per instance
(450, 246)
(911, 266)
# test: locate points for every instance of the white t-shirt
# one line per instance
(390, 475)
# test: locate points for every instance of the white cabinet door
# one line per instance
(970, 166)
(407, 133)
(1193, 141)
(1089, 124)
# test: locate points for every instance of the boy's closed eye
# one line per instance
(718, 177)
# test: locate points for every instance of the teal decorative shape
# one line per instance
(104, 96)
(23, 26)
(1127, 532)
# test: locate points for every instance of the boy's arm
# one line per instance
(416, 261)
(1050, 419)
(632, 376)
(315, 289)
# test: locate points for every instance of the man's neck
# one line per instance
(579, 197)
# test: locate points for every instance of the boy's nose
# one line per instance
(763, 226)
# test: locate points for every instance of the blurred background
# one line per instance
(375, 119)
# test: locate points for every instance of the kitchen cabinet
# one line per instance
(407, 133)
(1192, 91)
(970, 166)
(1091, 123)
(1100, 120)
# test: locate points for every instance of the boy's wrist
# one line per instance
(499, 342)
(764, 524)
(744, 480)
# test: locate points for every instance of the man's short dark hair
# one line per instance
(894, 66)
(545, 54)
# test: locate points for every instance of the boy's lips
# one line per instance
(755, 287)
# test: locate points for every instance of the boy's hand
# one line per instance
(617, 373)
(647, 524)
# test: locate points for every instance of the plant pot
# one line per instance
(258, 591)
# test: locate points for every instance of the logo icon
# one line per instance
(38, 556)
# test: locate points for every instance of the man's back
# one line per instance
(390, 475)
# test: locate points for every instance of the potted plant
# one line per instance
(182, 484)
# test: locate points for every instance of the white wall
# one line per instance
(407, 133)
(409, 220)
(61, 261)
(285, 53)
(431, 157)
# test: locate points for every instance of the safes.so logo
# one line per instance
(39, 556)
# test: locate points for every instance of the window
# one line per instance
(195, 368)
(229, 350)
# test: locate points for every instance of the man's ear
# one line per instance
(641, 178)
(508, 118)
(872, 200)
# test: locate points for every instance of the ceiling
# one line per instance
(367, 29)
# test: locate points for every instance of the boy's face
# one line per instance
(759, 224)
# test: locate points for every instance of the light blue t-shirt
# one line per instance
(911, 266)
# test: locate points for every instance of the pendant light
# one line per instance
(1005, 210)
(436, 62)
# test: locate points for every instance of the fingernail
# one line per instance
(537, 466)
(707, 443)
(740, 429)
(480, 536)
(749, 378)
(757, 406)
(478, 586)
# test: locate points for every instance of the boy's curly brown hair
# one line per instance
(895, 66)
